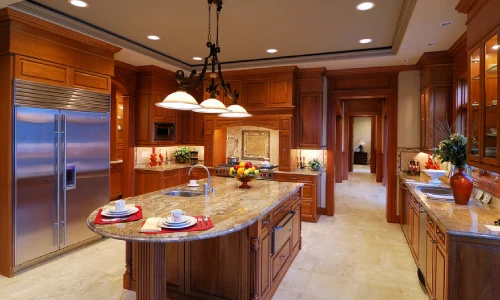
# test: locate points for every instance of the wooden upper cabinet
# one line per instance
(285, 145)
(257, 93)
(280, 92)
(310, 111)
(236, 85)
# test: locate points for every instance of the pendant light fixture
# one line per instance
(179, 100)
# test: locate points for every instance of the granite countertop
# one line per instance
(116, 161)
(230, 208)
(299, 172)
(165, 167)
(464, 220)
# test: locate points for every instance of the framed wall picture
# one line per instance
(256, 144)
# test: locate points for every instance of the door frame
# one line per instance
(373, 137)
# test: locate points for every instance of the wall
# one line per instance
(362, 128)
(236, 132)
(409, 109)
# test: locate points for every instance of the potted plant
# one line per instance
(182, 155)
(454, 150)
(315, 164)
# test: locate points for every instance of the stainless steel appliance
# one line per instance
(61, 166)
(265, 173)
(281, 233)
(164, 131)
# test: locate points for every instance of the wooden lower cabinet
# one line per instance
(239, 265)
(413, 217)
(115, 181)
(436, 262)
(311, 194)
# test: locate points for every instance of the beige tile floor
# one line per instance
(354, 255)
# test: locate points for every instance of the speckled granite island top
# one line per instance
(230, 208)
(299, 172)
(465, 220)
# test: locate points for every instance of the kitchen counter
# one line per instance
(230, 208)
(299, 172)
(164, 167)
(461, 220)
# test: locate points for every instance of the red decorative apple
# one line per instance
(248, 165)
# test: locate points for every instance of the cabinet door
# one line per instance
(490, 116)
(257, 93)
(474, 114)
(296, 228)
(416, 230)
(115, 184)
(265, 265)
(430, 246)
(409, 217)
(197, 129)
(209, 149)
(280, 92)
(427, 125)
(310, 120)
(440, 273)
(423, 122)
(143, 124)
(170, 181)
(285, 145)
(146, 182)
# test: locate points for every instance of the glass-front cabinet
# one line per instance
(484, 93)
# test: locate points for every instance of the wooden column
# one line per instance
(254, 268)
(152, 274)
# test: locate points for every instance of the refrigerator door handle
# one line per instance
(57, 147)
(65, 178)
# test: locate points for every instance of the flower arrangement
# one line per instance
(453, 150)
(182, 154)
(315, 164)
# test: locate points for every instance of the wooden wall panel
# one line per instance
(6, 221)
(41, 71)
(90, 81)
(482, 20)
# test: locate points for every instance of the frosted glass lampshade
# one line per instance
(211, 106)
(179, 100)
(235, 111)
(361, 142)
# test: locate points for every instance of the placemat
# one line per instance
(99, 218)
(208, 224)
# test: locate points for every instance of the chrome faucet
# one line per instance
(206, 186)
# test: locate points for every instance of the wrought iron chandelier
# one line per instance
(183, 101)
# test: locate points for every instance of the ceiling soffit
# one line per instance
(76, 25)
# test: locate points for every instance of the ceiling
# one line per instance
(306, 33)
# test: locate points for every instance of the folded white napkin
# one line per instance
(151, 225)
(493, 228)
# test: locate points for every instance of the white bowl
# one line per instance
(435, 174)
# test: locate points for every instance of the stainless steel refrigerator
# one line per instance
(61, 166)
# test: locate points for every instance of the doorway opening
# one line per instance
(360, 140)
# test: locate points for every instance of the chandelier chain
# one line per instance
(209, 23)
(217, 37)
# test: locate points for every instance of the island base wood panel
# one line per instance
(239, 265)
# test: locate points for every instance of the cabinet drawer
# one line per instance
(430, 222)
(182, 171)
(294, 178)
(169, 173)
(115, 167)
(283, 208)
(307, 191)
(441, 236)
(280, 259)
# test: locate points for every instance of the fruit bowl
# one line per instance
(244, 173)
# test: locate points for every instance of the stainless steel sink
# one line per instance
(182, 193)
(435, 190)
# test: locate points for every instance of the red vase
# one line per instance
(461, 186)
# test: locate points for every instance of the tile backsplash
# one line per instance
(142, 154)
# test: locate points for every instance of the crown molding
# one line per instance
(371, 70)
(459, 44)
(435, 58)
(404, 20)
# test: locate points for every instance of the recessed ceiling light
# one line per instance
(197, 58)
(271, 50)
(365, 41)
(446, 23)
(365, 6)
(496, 47)
(431, 43)
(78, 3)
(153, 37)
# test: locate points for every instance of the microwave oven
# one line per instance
(163, 131)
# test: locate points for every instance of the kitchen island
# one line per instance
(236, 259)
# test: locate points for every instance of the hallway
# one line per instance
(355, 254)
